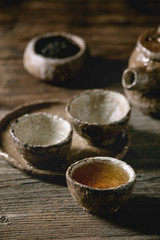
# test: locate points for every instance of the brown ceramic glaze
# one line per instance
(100, 185)
(99, 115)
(55, 70)
(141, 80)
(79, 148)
(43, 139)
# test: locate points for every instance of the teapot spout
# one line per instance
(130, 79)
(138, 79)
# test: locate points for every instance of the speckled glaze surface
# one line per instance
(53, 69)
(80, 149)
(141, 80)
(99, 115)
(43, 139)
(101, 201)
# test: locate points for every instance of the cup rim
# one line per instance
(79, 41)
(124, 165)
(40, 147)
(112, 123)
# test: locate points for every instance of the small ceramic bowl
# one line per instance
(101, 185)
(42, 139)
(99, 115)
(56, 57)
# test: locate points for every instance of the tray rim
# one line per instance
(29, 169)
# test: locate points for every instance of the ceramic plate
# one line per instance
(79, 149)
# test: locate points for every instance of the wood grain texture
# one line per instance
(110, 30)
(34, 209)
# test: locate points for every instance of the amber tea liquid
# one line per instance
(100, 175)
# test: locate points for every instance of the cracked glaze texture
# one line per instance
(99, 115)
(97, 200)
(43, 139)
(141, 80)
(54, 69)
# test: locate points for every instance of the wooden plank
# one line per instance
(33, 209)
(104, 30)
(36, 209)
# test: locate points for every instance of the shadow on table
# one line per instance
(99, 73)
(140, 214)
(57, 180)
(144, 150)
(10, 2)
(145, 6)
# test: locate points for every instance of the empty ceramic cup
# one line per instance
(99, 115)
(42, 139)
(101, 185)
(56, 57)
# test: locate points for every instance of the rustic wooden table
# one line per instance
(31, 208)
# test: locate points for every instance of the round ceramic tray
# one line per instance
(79, 149)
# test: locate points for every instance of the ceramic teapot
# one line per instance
(141, 80)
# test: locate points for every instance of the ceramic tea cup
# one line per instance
(42, 139)
(101, 185)
(56, 57)
(99, 115)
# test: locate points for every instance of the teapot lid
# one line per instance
(149, 43)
